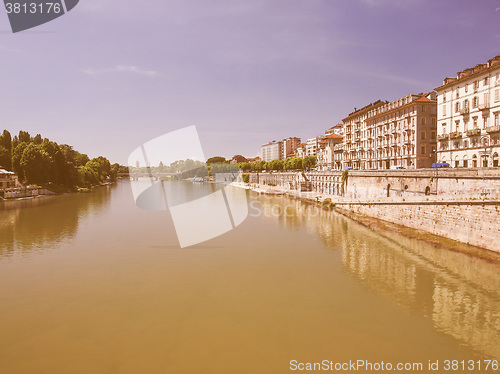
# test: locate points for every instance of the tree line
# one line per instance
(40, 161)
(292, 163)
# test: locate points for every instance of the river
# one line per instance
(92, 284)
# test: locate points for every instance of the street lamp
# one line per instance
(485, 139)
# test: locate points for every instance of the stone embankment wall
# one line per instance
(463, 204)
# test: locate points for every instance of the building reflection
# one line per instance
(41, 223)
(460, 293)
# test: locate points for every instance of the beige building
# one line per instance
(401, 133)
(271, 151)
(354, 129)
(469, 117)
(326, 155)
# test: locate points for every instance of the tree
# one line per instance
(6, 152)
(24, 136)
(5, 158)
(309, 162)
(100, 167)
(275, 165)
(216, 160)
(293, 163)
(37, 139)
(36, 164)
(17, 154)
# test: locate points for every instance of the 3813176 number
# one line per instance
(33, 8)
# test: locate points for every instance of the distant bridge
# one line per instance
(156, 176)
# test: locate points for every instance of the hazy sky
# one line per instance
(113, 74)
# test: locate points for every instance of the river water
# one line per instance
(92, 284)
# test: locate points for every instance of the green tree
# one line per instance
(309, 162)
(6, 154)
(17, 154)
(275, 165)
(216, 160)
(36, 164)
(37, 139)
(24, 136)
(100, 167)
(5, 158)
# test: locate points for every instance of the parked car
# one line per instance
(441, 165)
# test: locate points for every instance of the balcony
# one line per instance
(473, 132)
(493, 129)
(455, 134)
(464, 111)
(484, 106)
(443, 137)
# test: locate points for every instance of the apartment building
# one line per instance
(289, 147)
(354, 126)
(313, 145)
(337, 130)
(272, 151)
(468, 117)
(401, 133)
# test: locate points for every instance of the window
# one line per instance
(457, 94)
(422, 135)
(466, 104)
(423, 108)
(423, 121)
(474, 120)
(433, 135)
(457, 126)
(466, 88)
(444, 110)
(497, 95)
(485, 81)
(457, 107)
(444, 128)
(433, 122)
(497, 119)
(444, 97)
(475, 102)
(422, 150)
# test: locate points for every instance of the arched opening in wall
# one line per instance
(427, 191)
(466, 162)
(495, 160)
(474, 161)
(457, 162)
(388, 190)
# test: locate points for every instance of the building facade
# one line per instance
(469, 117)
(313, 145)
(354, 128)
(8, 179)
(400, 134)
(289, 147)
(271, 151)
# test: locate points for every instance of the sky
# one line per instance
(113, 74)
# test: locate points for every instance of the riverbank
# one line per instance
(458, 225)
(14, 194)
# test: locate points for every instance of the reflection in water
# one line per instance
(41, 223)
(459, 292)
